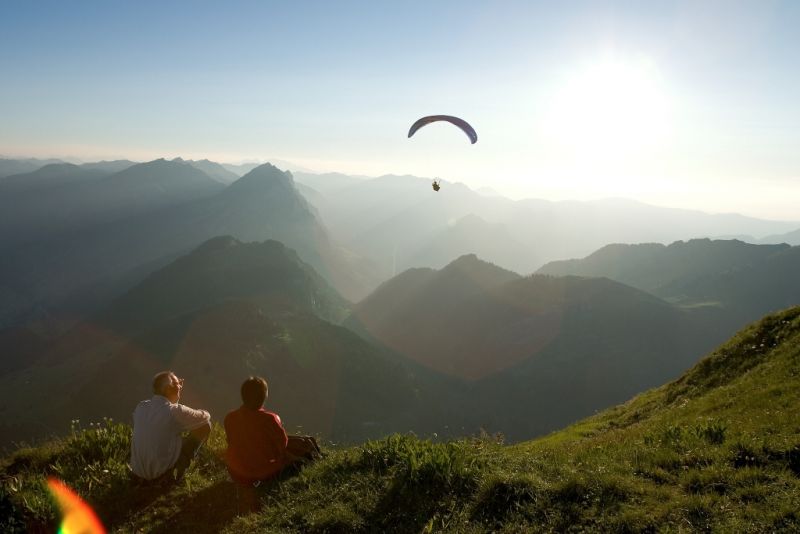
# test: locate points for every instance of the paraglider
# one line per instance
(461, 123)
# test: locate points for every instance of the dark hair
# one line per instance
(160, 381)
(254, 392)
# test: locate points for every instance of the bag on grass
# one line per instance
(304, 447)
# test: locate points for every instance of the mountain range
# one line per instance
(399, 222)
(744, 281)
(61, 198)
(223, 312)
(138, 266)
(108, 233)
(451, 351)
(11, 166)
(520, 342)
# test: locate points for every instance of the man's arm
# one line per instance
(191, 419)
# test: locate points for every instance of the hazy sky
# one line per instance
(687, 104)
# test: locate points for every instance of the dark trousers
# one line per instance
(190, 446)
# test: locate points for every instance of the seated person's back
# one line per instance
(256, 438)
(157, 445)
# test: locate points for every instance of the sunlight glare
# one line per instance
(609, 116)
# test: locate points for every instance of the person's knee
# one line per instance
(201, 433)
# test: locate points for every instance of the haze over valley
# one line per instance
(337, 285)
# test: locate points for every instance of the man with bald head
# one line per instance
(159, 448)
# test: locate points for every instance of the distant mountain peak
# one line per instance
(471, 262)
(162, 171)
(263, 178)
(223, 269)
(268, 169)
(224, 242)
(466, 259)
(217, 243)
(475, 272)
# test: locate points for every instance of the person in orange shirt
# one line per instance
(258, 447)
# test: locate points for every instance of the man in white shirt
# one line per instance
(158, 447)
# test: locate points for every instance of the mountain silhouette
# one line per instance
(519, 343)
(221, 269)
(741, 281)
(10, 166)
(82, 269)
(58, 199)
(223, 312)
(213, 169)
(790, 238)
(656, 268)
(473, 235)
(51, 175)
(397, 222)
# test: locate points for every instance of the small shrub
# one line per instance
(752, 494)
(11, 518)
(100, 442)
(703, 482)
(672, 435)
(658, 476)
(699, 513)
(793, 459)
(744, 456)
(504, 496)
(712, 433)
(604, 492)
(451, 465)
(633, 521)
(334, 518)
(785, 520)
(666, 459)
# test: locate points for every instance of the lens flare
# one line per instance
(78, 517)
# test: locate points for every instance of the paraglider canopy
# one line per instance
(461, 123)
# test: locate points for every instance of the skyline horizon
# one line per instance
(680, 103)
(286, 165)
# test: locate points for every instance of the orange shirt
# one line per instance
(256, 444)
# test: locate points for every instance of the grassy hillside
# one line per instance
(717, 450)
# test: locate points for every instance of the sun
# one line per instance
(608, 113)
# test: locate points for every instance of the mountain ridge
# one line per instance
(95, 262)
(217, 314)
(743, 281)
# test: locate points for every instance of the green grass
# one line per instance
(718, 450)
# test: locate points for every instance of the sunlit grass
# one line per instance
(716, 450)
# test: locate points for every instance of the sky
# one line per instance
(684, 104)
